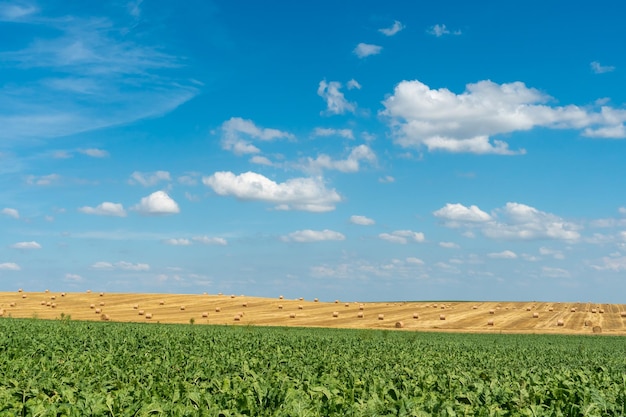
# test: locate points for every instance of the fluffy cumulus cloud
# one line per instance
(177, 242)
(352, 163)
(206, 240)
(157, 203)
(308, 194)
(514, 221)
(336, 102)
(449, 245)
(402, 236)
(148, 179)
(121, 265)
(442, 120)
(363, 50)
(105, 209)
(361, 220)
(9, 266)
(11, 212)
(393, 29)
(505, 254)
(307, 235)
(238, 135)
(26, 245)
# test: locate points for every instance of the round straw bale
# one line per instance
(48, 304)
(136, 306)
(88, 291)
(53, 298)
(102, 303)
(19, 290)
(300, 307)
(232, 296)
(336, 301)
(244, 304)
(347, 304)
(381, 317)
(588, 323)
(622, 314)
(490, 322)
(205, 314)
(92, 306)
(280, 306)
(416, 316)
(443, 307)
(361, 306)
(527, 308)
(292, 315)
(315, 300)
(360, 315)
(601, 311)
(240, 314)
(23, 295)
(572, 310)
(12, 305)
(280, 297)
(535, 315)
(551, 309)
(560, 323)
(140, 312)
(596, 329)
(101, 294)
(217, 309)
(593, 310)
(442, 317)
(148, 315)
(182, 308)
(53, 305)
(301, 298)
(98, 310)
(62, 294)
(474, 307)
(335, 314)
(105, 317)
(237, 317)
(43, 303)
(492, 311)
(162, 302)
(434, 305)
(399, 325)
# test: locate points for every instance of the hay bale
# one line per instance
(474, 307)
(527, 308)
(162, 302)
(23, 295)
(43, 303)
(62, 294)
(593, 310)
(434, 305)
(237, 317)
(601, 311)
(101, 294)
(53, 305)
(92, 306)
(596, 329)
(381, 317)
(280, 297)
(136, 306)
(244, 304)
(492, 311)
(551, 309)
(315, 300)
(360, 315)
(148, 316)
(335, 314)
(622, 314)
(301, 298)
(217, 309)
(19, 290)
(535, 315)
(399, 325)
(232, 296)
(572, 310)
(88, 291)
(416, 316)
(292, 315)
(182, 308)
(336, 301)
(101, 303)
(588, 323)
(490, 322)
(347, 305)
(53, 298)
(361, 306)
(300, 307)
(280, 306)
(48, 303)
(442, 317)
(12, 305)
(105, 317)
(560, 323)
(98, 310)
(140, 312)
(205, 314)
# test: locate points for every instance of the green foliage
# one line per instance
(72, 368)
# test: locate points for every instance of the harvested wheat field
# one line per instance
(476, 317)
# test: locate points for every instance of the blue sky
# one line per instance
(357, 150)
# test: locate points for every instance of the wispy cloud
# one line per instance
(148, 179)
(11, 212)
(393, 29)
(441, 30)
(95, 76)
(304, 236)
(597, 68)
(105, 209)
(238, 135)
(336, 102)
(363, 50)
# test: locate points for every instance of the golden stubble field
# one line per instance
(476, 317)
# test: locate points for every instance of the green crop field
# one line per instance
(73, 368)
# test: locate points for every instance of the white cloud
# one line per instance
(189, 180)
(440, 30)
(414, 261)
(121, 265)
(363, 50)
(601, 69)
(148, 179)
(449, 245)
(362, 220)
(353, 84)
(441, 120)
(556, 254)
(386, 179)
(304, 236)
(261, 160)
(456, 214)
(336, 103)
(514, 221)
(105, 209)
(344, 133)
(307, 194)
(237, 134)
(157, 203)
(390, 31)
(73, 277)
(177, 242)
(94, 153)
(351, 164)
(43, 180)
(551, 272)
(206, 240)
(402, 236)
(506, 254)
(26, 245)
(612, 263)
(622, 211)
(11, 212)
(14, 12)
(9, 266)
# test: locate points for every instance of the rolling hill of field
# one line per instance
(504, 317)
